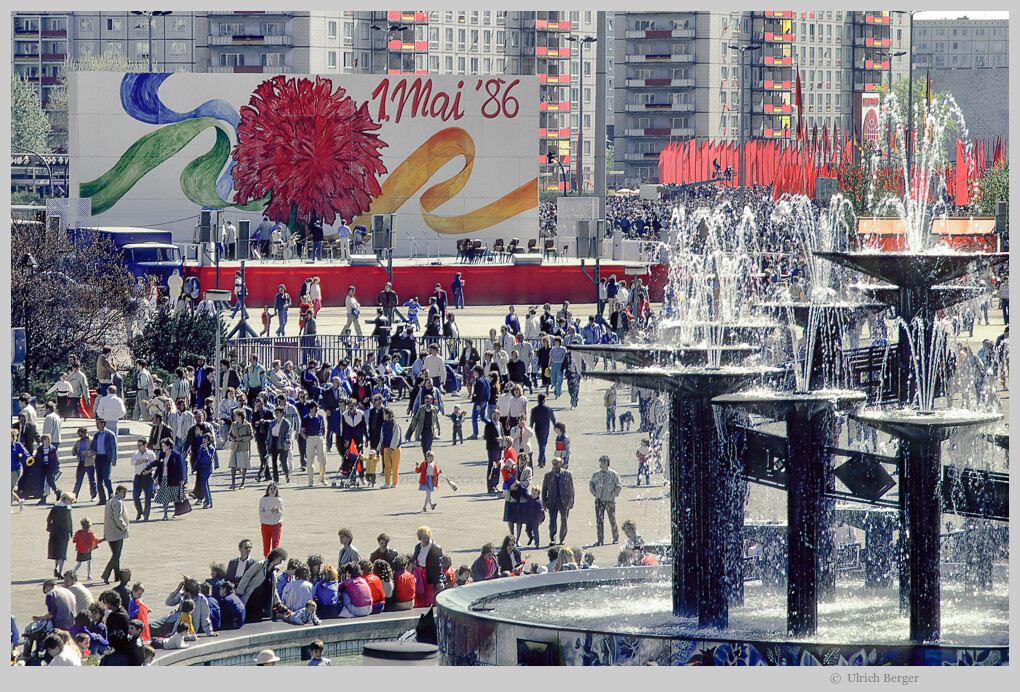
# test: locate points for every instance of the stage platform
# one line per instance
(486, 283)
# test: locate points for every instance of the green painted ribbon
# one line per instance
(198, 179)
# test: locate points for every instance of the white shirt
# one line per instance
(352, 303)
(531, 327)
(436, 366)
(518, 406)
(509, 342)
(424, 552)
(266, 513)
(110, 408)
(51, 427)
(139, 460)
(30, 415)
(66, 657)
(623, 295)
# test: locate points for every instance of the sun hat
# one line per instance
(266, 656)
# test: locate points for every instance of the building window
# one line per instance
(500, 65)
(274, 59)
(278, 29)
(487, 66)
(433, 64)
(449, 64)
(330, 29)
(178, 48)
(113, 24)
(449, 39)
(178, 26)
(474, 17)
(87, 24)
(114, 48)
(331, 59)
(433, 37)
(474, 65)
(142, 48)
(461, 62)
(231, 59)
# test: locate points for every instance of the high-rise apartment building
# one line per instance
(692, 74)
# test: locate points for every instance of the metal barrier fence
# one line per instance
(331, 348)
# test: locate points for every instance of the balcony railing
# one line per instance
(661, 58)
(660, 107)
(671, 83)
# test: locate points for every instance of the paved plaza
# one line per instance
(159, 552)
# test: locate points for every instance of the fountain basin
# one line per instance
(911, 424)
(691, 381)
(801, 310)
(622, 616)
(940, 297)
(643, 355)
(916, 269)
(773, 404)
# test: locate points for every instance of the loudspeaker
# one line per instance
(524, 258)
(825, 188)
(363, 260)
(243, 248)
(54, 223)
(209, 220)
(382, 231)
(1001, 216)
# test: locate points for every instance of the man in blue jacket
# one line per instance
(46, 457)
(331, 400)
(542, 421)
(231, 608)
(479, 399)
(104, 445)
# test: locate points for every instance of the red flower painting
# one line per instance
(310, 148)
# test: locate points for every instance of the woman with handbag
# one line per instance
(60, 528)
(86, 463)
(239, 437)
(542, 354)
(204, 468)
(169, 476)
(516, 499)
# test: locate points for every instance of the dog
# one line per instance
(626, 418)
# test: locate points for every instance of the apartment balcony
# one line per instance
(774, 108)
(660, 107)
(554, 106)
(659, 132)
(242, 14)
(659, 59)
(27, 57)
(54, 33)
(552, 26)
(48, 81)
(251, 40)
(249, 69)
(867, 86)
(666, 83)
(772, 36)
(396, 45)
(774, 60)
(660, 34)
(54, 57)
(639, 156)
(553, 79)
(408, 17)
(776, 85)
(871, 41)
(560, 52)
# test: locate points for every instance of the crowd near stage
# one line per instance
(485, 283)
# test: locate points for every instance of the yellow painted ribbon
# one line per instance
(418, 168)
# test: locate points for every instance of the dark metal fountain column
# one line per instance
(683, 514)
(922, 470)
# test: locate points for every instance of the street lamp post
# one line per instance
(49, 171)
(150, 15)
(584, 41)
(555, 158)
(887, 54)
(910, 98)
(740, 114)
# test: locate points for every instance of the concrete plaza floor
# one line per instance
(159, 552)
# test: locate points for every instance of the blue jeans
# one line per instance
(79, 476)
(610, 418)
(203, 484)
(541, 451)
(426, 441)
(142, 486)
(317, 249)
(458, 298)
(477, 411)
(282, 315)
(239, 306)
(103, 477)
(556, 375)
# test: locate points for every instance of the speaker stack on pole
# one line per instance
(243, 246)
(1001, 216)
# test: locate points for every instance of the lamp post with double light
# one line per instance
(149, 16)
(742, 47)
(584, 41)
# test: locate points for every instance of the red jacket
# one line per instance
(421, 469)
(375, 586)
(403, 587)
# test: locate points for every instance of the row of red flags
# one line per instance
(794, 168)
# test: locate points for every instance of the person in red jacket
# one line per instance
(374, 585)
(403, 586)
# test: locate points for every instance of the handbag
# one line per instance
(547, 373)
(182, 507)
(356, 312)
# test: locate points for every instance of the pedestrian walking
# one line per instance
(558, 498)
(115, 531)
(60, 529)
(605, 488)
(271, 518)
(428, 472)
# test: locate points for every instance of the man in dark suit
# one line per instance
(375, 421)
(239, 565)
(542, 421)
(104, 445)
(157, 431)
(278, 444)
(231, 607)
(228, 377)
(558, 498)
(331, 399)
(493, 435)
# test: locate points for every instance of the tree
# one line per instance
(71, 297)
(58, 105)
(27, 197)
(865, 183)
(941, 105)
(169, 341)
(995, 188)
(29, 125)
(609, 158)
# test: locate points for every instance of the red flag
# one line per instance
(799, 102)
(961, 174)
(692, 154)
(981, 159)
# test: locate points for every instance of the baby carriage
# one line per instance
(350, 466)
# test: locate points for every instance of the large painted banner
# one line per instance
(452, 157)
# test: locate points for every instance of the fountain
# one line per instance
(702, 359)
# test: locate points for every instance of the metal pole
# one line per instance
(216, 368)
(740, 120)
(580, 116)
(601, 40)
(910, 100)
(150, 41)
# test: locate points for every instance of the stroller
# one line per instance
(350, 466)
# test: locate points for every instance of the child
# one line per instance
(644, 453)
(635, 541)
(179, 640)
(429, 479)
(562, 444)
(447, 564)
(83, 641)
(371, 465)
(315, 649)
(267, 320)
(305, 616)
(84, 542)
(138, 610)
(535, 513)
(458, 424)
(187, 608)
